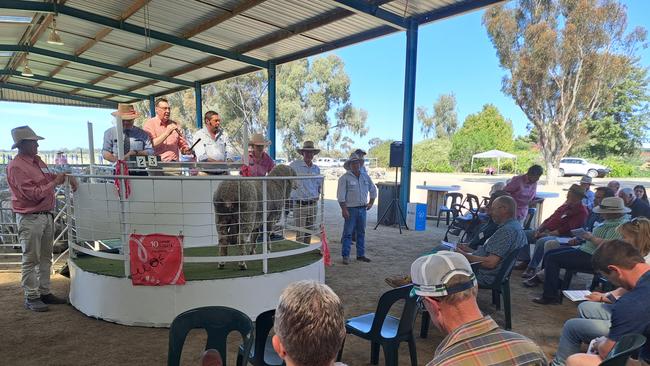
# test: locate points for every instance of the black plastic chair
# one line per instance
(219, 322)
(447, 207)
(623, 349)
(472, 202)
(529, 217)
(501, 287)
(385, 330)
(263, 325)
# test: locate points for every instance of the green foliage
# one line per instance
(444, 120)
(482, 131)
(381, 151)
(623, 167)
(432, 155)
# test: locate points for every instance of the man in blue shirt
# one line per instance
(623, 266)
(136, 140)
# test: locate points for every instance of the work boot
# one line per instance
(346, 260)
(398, 280)
(51, 299)
(528, 273)
(36, 305)
(364, 259)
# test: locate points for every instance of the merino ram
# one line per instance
(238, 209)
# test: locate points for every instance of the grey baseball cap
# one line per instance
(431, 273)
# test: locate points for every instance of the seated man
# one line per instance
(613, 212)
(623, 265)
(509, 236)
(309, 325)
(447, 287)
(637, 206)
(571, 215)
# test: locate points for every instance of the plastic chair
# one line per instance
(447, 207)
(385, 330)
(263, 325)
(472, 202)
(501, 286)
(219, 322)
(529, 217)
(623, 349)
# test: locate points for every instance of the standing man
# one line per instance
(32, 198)
(523, 189)
(305, 195)
(136, 141)
(447, 287)
(165, 134)
(352, 195)
(259, 162)
(212, 147)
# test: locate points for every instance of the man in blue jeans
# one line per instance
(352, 195)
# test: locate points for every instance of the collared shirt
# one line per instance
(168, 150)
(631, 314)
(354, 190)
(210, 147)
(306, 189)
(134, 139)
(566, 218)
(260, 167)
(588, 201)
(522, 192)
(608, 231)
(481, 342)
(484, 233)
(31, 184)
(508, 237)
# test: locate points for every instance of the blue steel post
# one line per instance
(271, 126)
(409, 111)
(152, 106)
(198, 97)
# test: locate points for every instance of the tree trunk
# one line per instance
(551, 174)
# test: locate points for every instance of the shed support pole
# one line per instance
(198, 97)
(409, 112)
(152, 106)
(270, 132)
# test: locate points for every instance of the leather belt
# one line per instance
(306, 202)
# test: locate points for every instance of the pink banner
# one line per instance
(156, 259)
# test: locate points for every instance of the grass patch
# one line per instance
(209, 271)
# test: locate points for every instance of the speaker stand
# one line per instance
(396, 203)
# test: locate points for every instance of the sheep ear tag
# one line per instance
(156, 259)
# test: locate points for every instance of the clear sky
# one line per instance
(454, 55)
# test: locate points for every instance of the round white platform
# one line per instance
(117, 300)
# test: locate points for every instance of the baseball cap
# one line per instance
(431, 273)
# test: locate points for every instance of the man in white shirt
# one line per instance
(212, 146)
(307, 191)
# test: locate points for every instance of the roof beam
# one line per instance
(129, 28)
(57, 94)
(454, 9)
(137, 5)
(364, 7)
(86, 61)
(74, 84)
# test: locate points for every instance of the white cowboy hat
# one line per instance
(611, 205)
(258, 139)
(23, 133)
(308, 146)
(126, 111)
(353, 157)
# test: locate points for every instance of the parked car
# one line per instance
(579, 166)
(327, 162)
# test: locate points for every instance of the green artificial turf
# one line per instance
(209, 271)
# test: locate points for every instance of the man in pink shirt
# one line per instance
(165, 134)
(32, 197)
(523, 189)
(259, 162)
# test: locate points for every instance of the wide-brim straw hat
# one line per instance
(586, 180)
(308, 146)
(611, 205)
(126, 111)
(23, 133)
(353, 157)
(259, 139)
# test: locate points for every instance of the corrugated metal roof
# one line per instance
(268, 30)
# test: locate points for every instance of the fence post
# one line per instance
(68, 220)
(265, 261)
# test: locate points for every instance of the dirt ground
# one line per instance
(64, 336)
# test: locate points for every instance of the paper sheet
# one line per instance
(576, 295)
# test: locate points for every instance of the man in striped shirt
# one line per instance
(445, 283)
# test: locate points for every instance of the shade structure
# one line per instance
(493, 154)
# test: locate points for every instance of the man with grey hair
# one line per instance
(309, 325)
(638, 207)
(445, 283)
(614, 185)
(510, 236)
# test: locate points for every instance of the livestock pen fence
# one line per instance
(264, 229)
